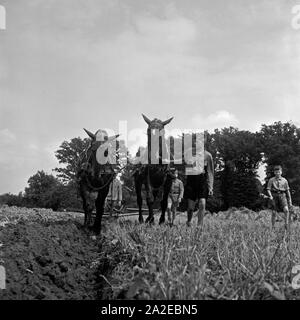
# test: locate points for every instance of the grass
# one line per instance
(235, 256)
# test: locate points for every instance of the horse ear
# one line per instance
(112, 138)
(91, 135)
(167, 121)
(109, 140)
(146, 119)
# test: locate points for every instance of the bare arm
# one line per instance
(269, 189)
(289, 198)
(210, 173)
(288, 194)
(269, 193)
(181, 190)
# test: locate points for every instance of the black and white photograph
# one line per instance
(149, 150)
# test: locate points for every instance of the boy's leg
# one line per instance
(273, 218)
(169, 209)
(287, 218)
(201, 211)
(285, 209)
(275, 209)
(174, 207)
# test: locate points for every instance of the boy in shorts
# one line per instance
(175, 197)
(198, 188)
(279, 192)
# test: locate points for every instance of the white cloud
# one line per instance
(218, 119)
(222, 118)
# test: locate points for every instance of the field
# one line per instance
(48, 255)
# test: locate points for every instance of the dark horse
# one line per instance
(95, 178)
(155, 176)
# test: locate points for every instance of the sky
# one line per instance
(66, 65)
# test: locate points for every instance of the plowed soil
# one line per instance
(47, 255)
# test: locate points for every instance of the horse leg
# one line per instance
(99, 210)
(164, 201)
(140, 203)
(150, 201)
(138, 190)
(87, 207)
(164, 205)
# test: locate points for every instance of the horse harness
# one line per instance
(111, 171)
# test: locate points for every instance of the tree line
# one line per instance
(237, 155)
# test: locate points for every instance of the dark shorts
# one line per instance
(280, 201)
(196, 187)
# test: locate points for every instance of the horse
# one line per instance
(155, 177)
(94, 178)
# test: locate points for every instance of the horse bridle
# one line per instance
(88, 157)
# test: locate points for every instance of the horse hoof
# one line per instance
(96, 231)
(150, 220)
(141, 220)
(87, 228)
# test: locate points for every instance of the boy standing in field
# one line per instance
(279, 191)
(114, 196)
(175, 197)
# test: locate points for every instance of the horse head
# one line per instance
(98, 139)
(156, 126)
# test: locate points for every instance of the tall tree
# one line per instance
(69, 155)
(43, 191)
(239, 149)
(238, 155)
(281, 144)
(13, 199)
